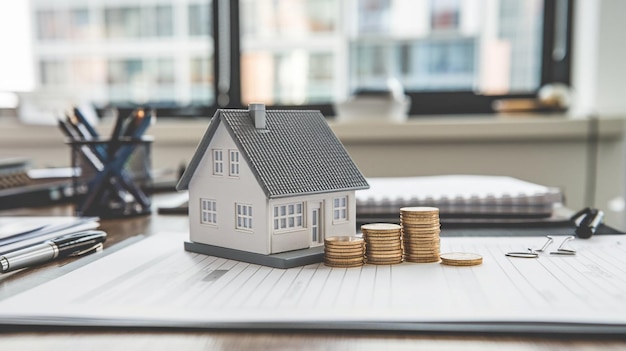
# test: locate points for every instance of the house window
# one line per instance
(288, 216)
(218, 162)
(340, 208)
(208, 211)
(244, 216)
(234, 163)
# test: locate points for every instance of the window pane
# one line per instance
(289, 50)
(200, 20)
(492, 46)
(295, 51)
(133, 52)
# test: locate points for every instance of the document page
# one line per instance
(156, 283)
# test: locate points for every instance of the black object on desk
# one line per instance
(75, 244)
(587, 221)
(115, 174)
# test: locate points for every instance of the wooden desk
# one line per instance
(35, 338)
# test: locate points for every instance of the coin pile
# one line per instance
(344, 251)
(383, 243)
(461, 259)
(420, 234)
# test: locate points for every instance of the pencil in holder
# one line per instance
(112, 178)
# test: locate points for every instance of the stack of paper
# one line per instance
(155, 282)
(17, 232)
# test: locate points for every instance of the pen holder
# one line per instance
(112, 178)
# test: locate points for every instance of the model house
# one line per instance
(268, 182)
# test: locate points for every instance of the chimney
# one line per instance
(257, 113)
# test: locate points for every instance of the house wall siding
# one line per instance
(227, 191)
(287, 240)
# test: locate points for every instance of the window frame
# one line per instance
(244, 218)
(218, 165)
(234, 166)
(211, 212)
(338, 208)
(278, 218)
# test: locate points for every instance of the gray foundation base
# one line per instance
(281, 260)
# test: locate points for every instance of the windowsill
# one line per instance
(526, 127)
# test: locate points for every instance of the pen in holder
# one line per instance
(112, 177)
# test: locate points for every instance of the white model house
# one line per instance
(270, 181)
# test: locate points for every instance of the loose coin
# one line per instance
(461, 259)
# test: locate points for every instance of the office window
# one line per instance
(200, 21)
(123, 22)
(156, 53)
(50, 24)
(244, 216)
(454, 48)
(201, 79)
(340, 209)
(208, 211)
(53, 73)
(233, 160)
(305, 53)
(80, 24)
(218, 162)
(288, 216)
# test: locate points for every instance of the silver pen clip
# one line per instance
(97, 247)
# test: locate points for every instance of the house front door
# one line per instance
(317, 233)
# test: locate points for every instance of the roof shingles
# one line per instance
(296, 154)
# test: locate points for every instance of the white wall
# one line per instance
(599, 57)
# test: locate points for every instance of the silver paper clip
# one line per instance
(531, 253)
(561, 250)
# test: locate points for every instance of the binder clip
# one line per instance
(587, 221)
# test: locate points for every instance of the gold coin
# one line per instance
(382, 254)
(345, 251)
(383, 262)
(419, 209)
(342, 257)
(390, 239)
(415, 217)
(343, 240)
(461, 259)
(379, 227)
(368, 235)
(421, 259)
(343, 260)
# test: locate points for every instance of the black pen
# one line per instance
(67, 245)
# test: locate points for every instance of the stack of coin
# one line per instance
(344, 251)
(420, 234)
(383, 243)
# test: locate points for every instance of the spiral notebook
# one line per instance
(459, 196)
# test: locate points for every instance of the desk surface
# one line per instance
(33, 338)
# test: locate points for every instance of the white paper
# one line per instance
(155, 282)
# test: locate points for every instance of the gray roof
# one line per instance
(297, 154)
